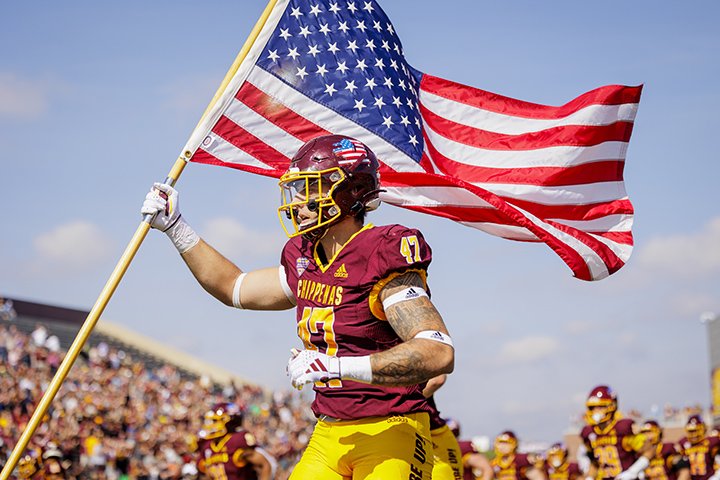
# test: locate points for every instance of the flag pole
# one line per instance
(121, 268)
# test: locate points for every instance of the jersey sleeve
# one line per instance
(401, 250)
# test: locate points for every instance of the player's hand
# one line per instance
(626, 475)
(163, 200)
(309, 366)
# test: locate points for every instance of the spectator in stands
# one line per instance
(7, 312)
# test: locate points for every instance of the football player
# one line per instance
(558, 466)
(615, 450)
(508, 464)
(700, 449)
(447, 461)
(228, 452)
(667, 463)
(371, 335)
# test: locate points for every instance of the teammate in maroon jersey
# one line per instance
(371, 335)
(615, 450)
(476, 465)
(700, 449)
(667, 462)
(226, 451)
(558, 466)
(508, 464)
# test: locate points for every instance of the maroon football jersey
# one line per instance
(661, 465)
(221, 458)
(514, 467)
(610, 447)
(701, 456)
(338, 312)
(436, 421)
(467, 448)
(566, 471)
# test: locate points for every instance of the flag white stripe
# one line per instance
(565, 156)
(565, 195)
(229, 153)
(432, 197)
(330, 120)
(608, 223)
(511, 232)
(263, 129)
(593, 115)
(622, 250)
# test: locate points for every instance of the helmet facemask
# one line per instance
(309, 194)
(695, 431)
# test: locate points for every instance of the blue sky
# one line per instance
(96, 101)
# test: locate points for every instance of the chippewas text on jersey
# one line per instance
(318, 292)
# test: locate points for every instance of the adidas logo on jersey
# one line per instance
(341, 272)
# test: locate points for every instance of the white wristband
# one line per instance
(409, 293)
(435, 336)
(356, 368)
(236, 291)
(640, 464)
(182, 235)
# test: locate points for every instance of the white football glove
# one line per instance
(163, 200)
(309, 366)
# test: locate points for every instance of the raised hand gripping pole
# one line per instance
(121, 268)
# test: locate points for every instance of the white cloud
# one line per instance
(694, 303)
(528, 349)
(21, 98)
(691, 255)
(236, 241)
(74, 246)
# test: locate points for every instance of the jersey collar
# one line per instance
(324, 268)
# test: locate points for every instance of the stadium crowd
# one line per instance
(115, 418)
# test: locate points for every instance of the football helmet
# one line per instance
(222, 419)
(28, 466)
(652, 431)
(506, 443)
(331, 177)
(695, 429)
(601, 405)
(557, 455)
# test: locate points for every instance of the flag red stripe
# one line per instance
(607, 95)
(277, 113)
(570, 135)
(625, 238)
(612, 262)
(250, 144)
(201, 156)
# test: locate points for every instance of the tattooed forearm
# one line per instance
(409, 318)
(402, 365)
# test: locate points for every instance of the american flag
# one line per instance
(513, 169)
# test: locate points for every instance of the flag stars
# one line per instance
(401, 84)
(333, 48)
(417, 122)
(352, 45)
(379, 63)
(361, 26)
(413, 140)
(387, 121)
(394, 65)
(396, 47)
(324, 29)
(368, 6)
(397, 102)
(350, 86)
(315, 10)
(377, 26)
(285, 33)
(342, 67)
(379, 103)
(390, 28)
(388, 82)
(314, 50)
(322, 70)
(385, 45)
(293, 53)
(330, 89)
(351, 6)
(359, 105)
(305, 31)
(296, 13)
(404, 120)
(301, 73)
(370, 83)
(334, 8)
(343, 27)
(361, 65)
(272, 55)
(370, 44)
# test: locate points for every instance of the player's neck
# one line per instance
(339, 234)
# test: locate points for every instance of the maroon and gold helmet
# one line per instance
(557, 455)
(506, 443)
(695, 429)
(333, 175)
(601, 405)
(222, 419)
(652, 431)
